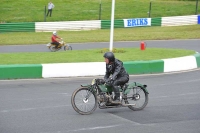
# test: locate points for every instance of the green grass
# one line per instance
(68, 10)
(122, 34)
(131, 54)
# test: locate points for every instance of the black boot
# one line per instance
(116, 99)
(117, 94)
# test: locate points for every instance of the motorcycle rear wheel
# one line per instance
(138, 97)
(84, 101)
(52, 48)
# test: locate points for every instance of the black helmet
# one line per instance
(110, 56)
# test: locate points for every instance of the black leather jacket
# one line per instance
(116, 69)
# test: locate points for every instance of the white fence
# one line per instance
(67, 26)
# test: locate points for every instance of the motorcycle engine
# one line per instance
(104, 98)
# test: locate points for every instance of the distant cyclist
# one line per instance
(54, 39)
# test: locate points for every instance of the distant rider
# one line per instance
(119, 76)
(54, 39)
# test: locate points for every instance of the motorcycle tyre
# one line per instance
(74, 105)
(52, 49)
(143, 106)
(67, 47)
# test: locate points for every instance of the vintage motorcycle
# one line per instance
(85, 99)
(60, 46)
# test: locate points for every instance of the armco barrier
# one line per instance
(18, 27)
(179, 20)
(118, 23)
(97, 68)
(121, 23)
(67, 25)
(20, 71)
(156, 21)
(99, 24)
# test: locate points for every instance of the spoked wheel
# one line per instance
(137, 98)
(67, 47)
(84, 101)
(53, 49)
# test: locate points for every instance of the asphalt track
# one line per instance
(192, 44)
(44, 105)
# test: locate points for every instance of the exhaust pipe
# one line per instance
(128, 105)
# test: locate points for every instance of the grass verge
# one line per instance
(68, 10)
(130, 54)
(121, 34)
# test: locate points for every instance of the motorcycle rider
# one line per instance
(54, 39)
(119, 76)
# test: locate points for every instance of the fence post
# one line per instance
(100, 10)
(196, 7)
(149, 13)
(44, 13)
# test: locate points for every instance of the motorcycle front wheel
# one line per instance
(84, 101)
(67, 47)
